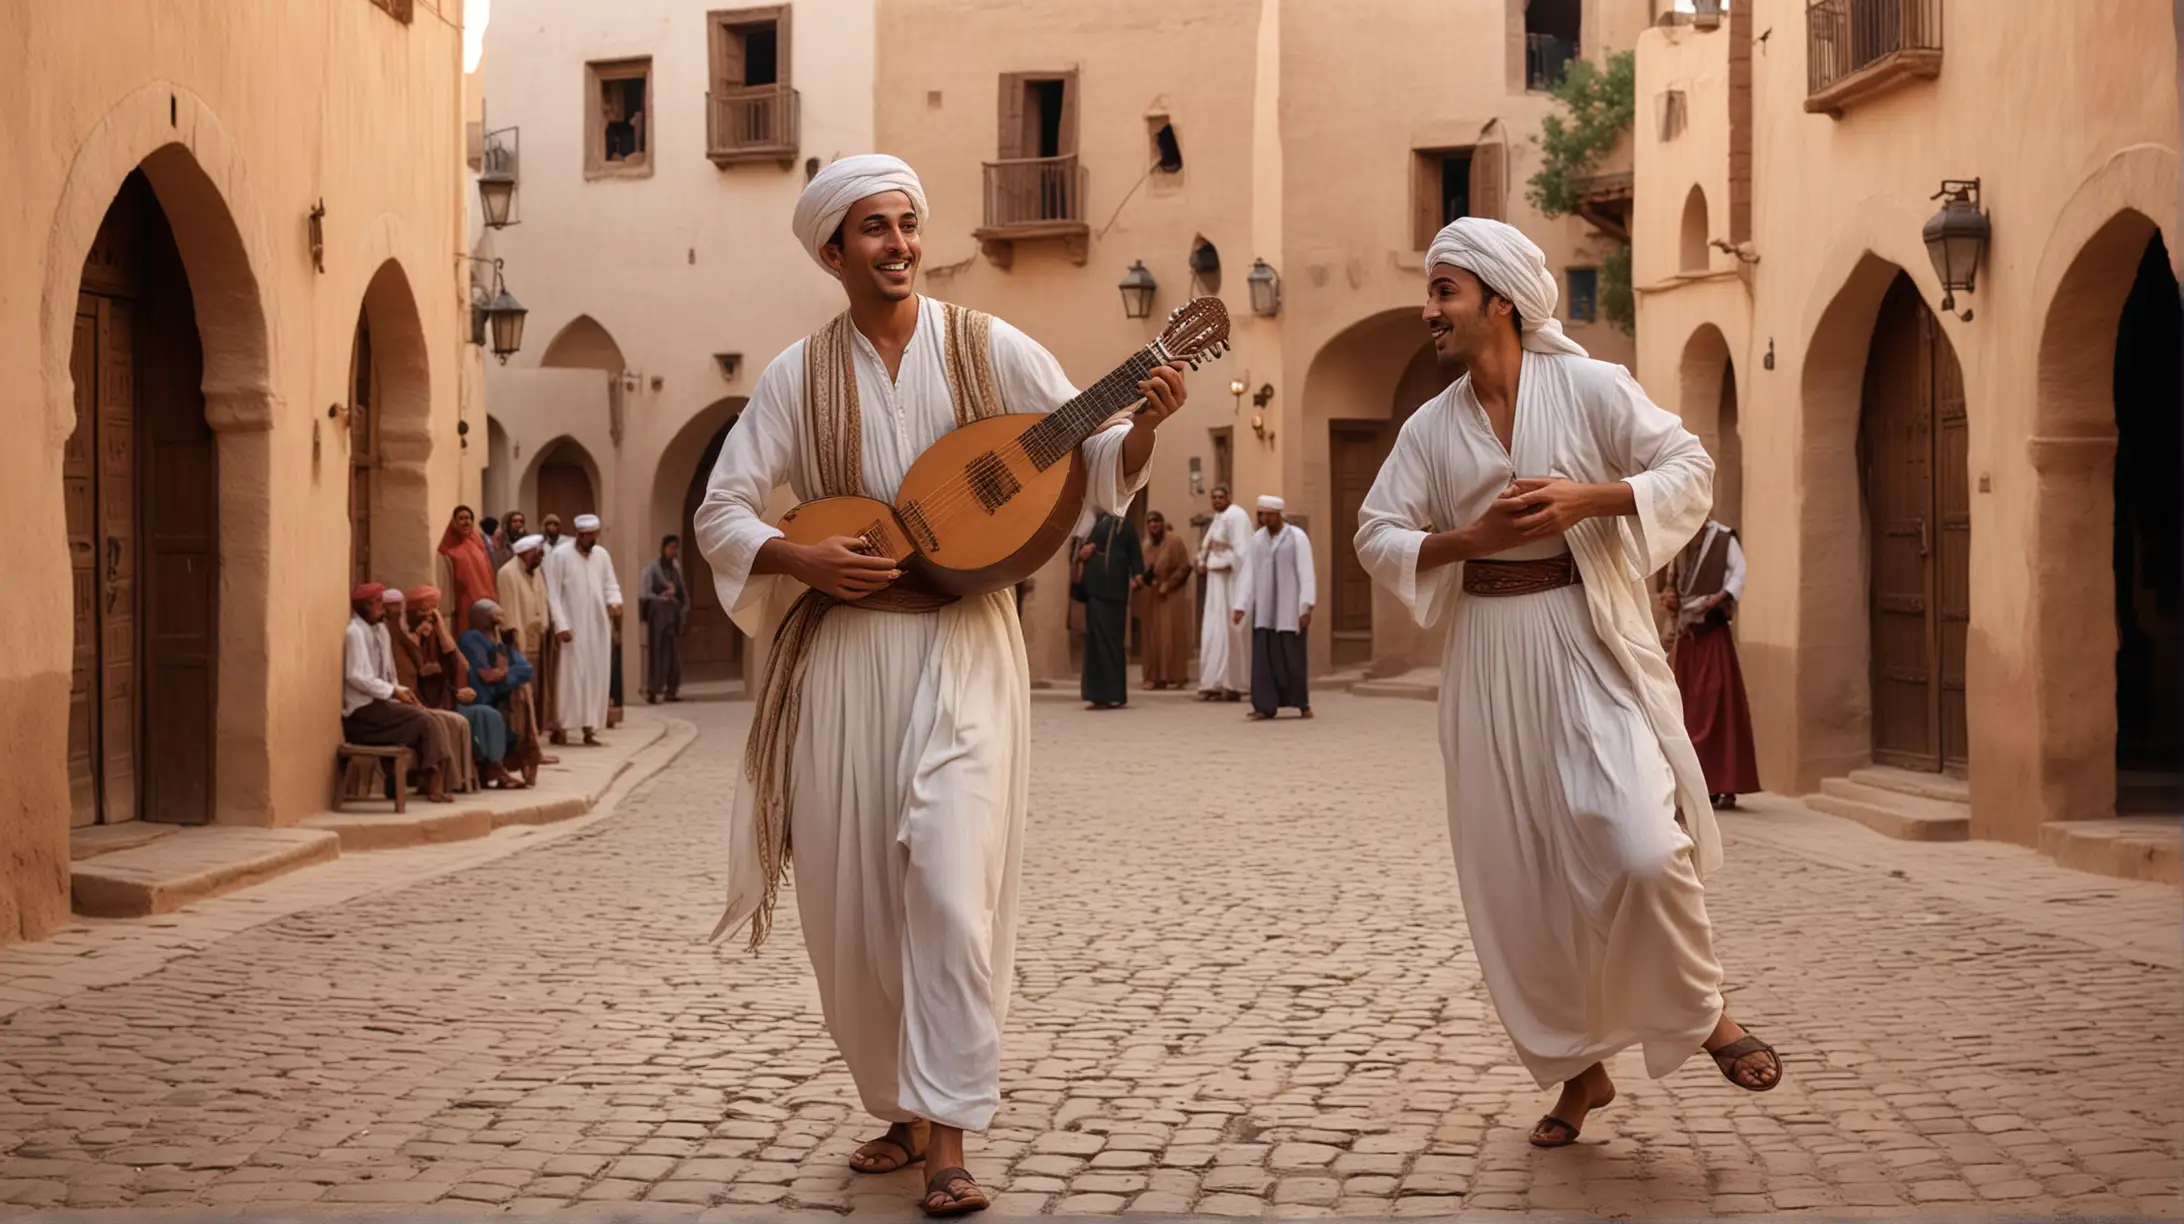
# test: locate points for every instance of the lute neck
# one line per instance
(1051, 440)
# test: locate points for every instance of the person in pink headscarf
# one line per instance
(469, 566)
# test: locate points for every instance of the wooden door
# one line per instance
(1918, 512)
(363, 450)
(140, 492)
(712, 646)
(1355, 449)
(564, 489)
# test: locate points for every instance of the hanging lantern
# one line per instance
(1137, 288)
(1266, 289)
(1956, 238)
(504, 315)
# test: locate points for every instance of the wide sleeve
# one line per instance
(1732, 581)
(1669, 472)
(1031, 380)
(1307, 579)
(1248, 561)
(555, 608)
(476, 649)
(357, 667)
(728, 526)
(1392, 526)
(613, 586)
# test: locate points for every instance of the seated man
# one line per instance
(376, 710)
(501, 677)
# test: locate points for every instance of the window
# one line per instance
(1674, 114)
(753, 106)
(1451, 183)
(1584, 306)
(618, 137)
(1034, 180)
(1038, 115)
(1552, 31)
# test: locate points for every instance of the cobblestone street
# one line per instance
(1244, 988)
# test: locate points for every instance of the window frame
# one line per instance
(597, 74)
(1569, 289)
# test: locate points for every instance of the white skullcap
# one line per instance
(529, 542)
(1267, 501)
(1513, 266)
(826, 199)
(486, 604)
(391, 596)
(586, 522)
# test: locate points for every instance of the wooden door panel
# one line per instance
(1952, 580)
(1353, 460)
(117, 454)
(1896, 443)
(79, 496)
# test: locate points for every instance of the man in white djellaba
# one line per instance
(1224, 643)
(889, 756)
(585, 601)
(1526, 504)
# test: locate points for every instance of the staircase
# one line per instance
(1900, 803)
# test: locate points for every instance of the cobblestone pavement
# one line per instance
(1244, 989)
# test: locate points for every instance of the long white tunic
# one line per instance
(1224, 647)
(1561, 727)
(579, 589)
(911, 769)
(1278, 586)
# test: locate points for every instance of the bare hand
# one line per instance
(406, 697)
(615, 611)
(1164, 393)
(1236, 618)
(1546, 507)
(1498, 530)
(1085, 553)
(566, 635)
(839, 567)
(466, 696)
(1304, 620)
(1666, 600)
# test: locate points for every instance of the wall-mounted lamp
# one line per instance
(1137, 288)
(1266, 289)
(728, 363)
(1260, 397)
(462, 433)
(498, 312)
(497, 178)
(1237, 387)
(1258, 426)
(318, 236)
(1956, 239)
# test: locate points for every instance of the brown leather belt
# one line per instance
(1495, 578)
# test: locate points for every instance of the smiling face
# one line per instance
(1463, 316)
(464, 520)
(1220, 499)
(879, 249)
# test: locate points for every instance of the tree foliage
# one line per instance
(1597, 107)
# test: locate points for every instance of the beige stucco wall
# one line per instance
(676, 266)
(266, 110)
(2077, 172)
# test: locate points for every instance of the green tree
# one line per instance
(1595, 107)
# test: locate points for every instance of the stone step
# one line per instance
(91, 841)
(2127, 848)
(1893, 813)
(164, 875)
(1936, 786)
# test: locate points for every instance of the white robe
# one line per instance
(910, 777)
(579, 589)
(1224, 647)
(1561, 727)
(1278, 586)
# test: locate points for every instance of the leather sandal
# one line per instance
(952, 1192)
(1558, 1133)
(1732, 1055)
(911, 1154)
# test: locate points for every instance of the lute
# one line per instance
(985, 506)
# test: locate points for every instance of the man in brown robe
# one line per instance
(1165, 628)
(1700, 591)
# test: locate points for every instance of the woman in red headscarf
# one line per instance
(469, 568)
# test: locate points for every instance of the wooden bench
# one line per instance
(357, 772)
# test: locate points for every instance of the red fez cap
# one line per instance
(367, 591)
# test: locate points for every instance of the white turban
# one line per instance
(530, 542)
(826, 199)
(1267, 501)
(586, 522)
(1513, 266)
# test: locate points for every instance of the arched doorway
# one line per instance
(1707, 402)
(2149, 547)
(141, 486)
(390, 397)
(568, 482)
(1913, 467)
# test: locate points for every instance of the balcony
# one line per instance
(1546, 58)
(1605, 201)
(1855, 49)
(1034, 198)
(751, 124)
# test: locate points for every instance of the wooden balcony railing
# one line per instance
(1034, 197)
(1857, 48)
(756, 123)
